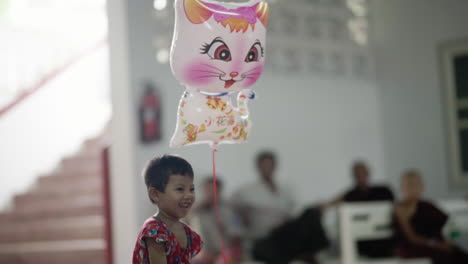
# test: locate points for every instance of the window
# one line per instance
(455, 84)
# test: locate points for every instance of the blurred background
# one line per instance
(372, 80)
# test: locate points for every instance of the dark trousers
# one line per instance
(296, 237)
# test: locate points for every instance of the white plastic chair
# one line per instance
(366, 221)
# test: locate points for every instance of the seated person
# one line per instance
(418, 226)
(363, 191)
(263, 204)
(273, 235)
(229, 226)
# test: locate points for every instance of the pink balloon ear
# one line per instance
(196, 11)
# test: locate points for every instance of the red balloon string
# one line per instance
(218, 219)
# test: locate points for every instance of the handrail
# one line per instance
(51, 76)
(107, 205)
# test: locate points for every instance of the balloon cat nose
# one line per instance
(233, 74)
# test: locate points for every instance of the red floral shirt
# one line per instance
(155, 229)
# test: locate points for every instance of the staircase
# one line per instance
(61, 218)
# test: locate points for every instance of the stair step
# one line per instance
(58, 222)
(51, 183)
(43, 195)
(95, 144)
(24, 232)
(82, 187)
(72, 173)
(68, 178)
(82, 164)
(54, 252)
(54, 211)
(65, 213)
(83, 158)
(58, 205)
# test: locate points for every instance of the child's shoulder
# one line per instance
(153, 227)
(153, 221)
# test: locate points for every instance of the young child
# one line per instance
(163, 239)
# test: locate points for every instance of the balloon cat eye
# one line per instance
(255, 52)
(217, 50)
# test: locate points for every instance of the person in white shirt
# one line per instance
(272, 234)
(263, 205)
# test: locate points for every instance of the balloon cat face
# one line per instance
(217, 48)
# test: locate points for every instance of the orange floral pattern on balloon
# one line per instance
(215, 103)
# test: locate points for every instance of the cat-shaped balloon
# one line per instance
(217, 49)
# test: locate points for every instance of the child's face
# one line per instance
(178, 197)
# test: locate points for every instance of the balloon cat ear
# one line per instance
(196, 11)
(262, 12)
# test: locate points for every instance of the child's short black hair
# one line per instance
(159, 169)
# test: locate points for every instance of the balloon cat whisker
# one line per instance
(251, 74)
(256, 68)
(214, 68)
(208, 72)
(207, 76)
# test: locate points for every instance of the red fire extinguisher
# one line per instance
(150, 115)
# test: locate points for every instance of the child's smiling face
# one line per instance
(177, 198)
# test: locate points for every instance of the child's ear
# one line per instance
(153, 194)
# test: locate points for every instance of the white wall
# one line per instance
(122, 152)
(407, 35)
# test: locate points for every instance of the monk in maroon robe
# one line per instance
(418, 226)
